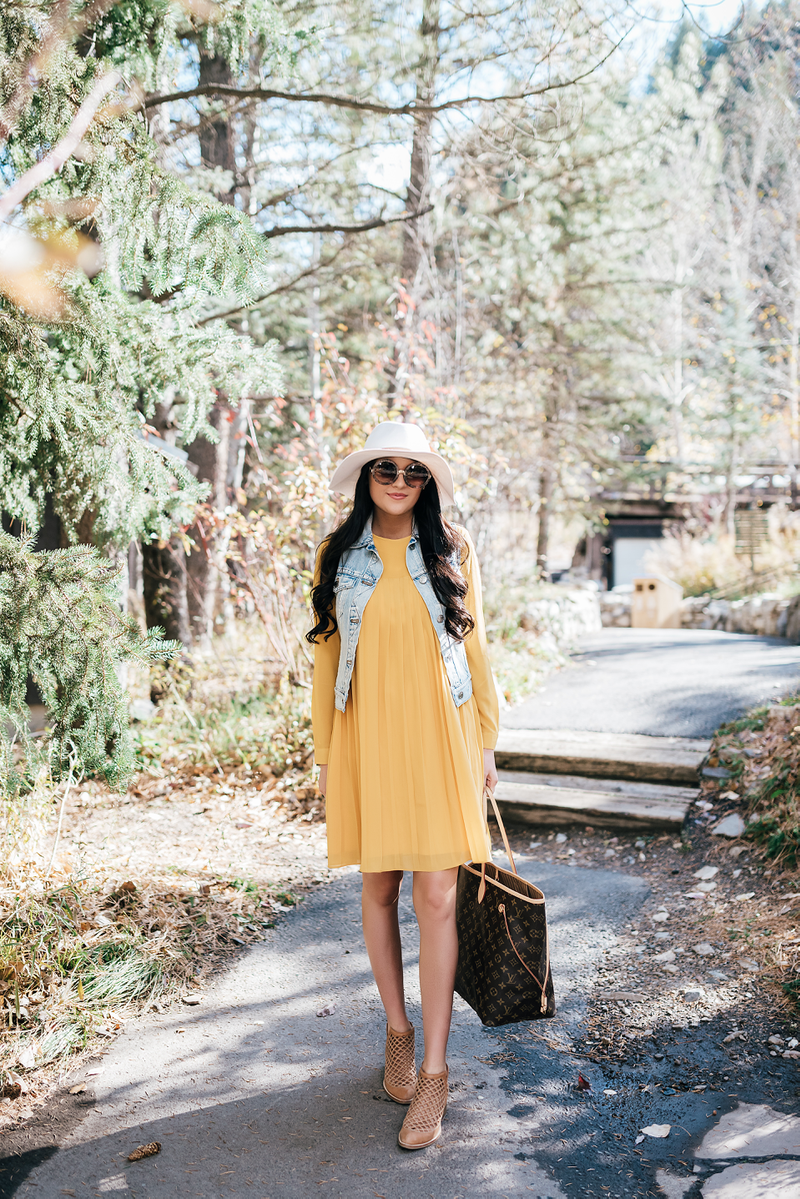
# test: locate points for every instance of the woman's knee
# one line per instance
(435, 894)
(383, 888)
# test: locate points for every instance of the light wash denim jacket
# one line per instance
(359, 569)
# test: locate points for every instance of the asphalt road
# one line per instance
(253, 1094)
(662, 682)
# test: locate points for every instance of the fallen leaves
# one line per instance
(656, 1130)
(76, 1090)
(328, 1010)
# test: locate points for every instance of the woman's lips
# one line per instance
(397, 495)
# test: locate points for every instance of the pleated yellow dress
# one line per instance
(405, 765)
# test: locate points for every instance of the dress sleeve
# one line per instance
(483, 687)
(326, 664)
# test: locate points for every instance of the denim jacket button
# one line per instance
(461, 695)
(440, 619)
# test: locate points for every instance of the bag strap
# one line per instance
(488, 794)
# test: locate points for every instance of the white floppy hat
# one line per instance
(393, 439)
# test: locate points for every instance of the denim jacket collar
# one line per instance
(367, 541)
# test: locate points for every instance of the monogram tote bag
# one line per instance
(503, 952)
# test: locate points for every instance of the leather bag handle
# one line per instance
(488, 794)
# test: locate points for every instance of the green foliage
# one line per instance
(62, 628)
(755, 720)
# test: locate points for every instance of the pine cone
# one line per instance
(145, 1151)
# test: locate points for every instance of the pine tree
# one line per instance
(107, 266)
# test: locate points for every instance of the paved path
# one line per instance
(252, 1094)
(662, 682)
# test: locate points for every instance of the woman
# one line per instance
(405, 721)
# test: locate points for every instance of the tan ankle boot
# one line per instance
(401, 1070)
(423, 1123)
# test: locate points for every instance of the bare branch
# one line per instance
(54, 161)
(376, 223)
(334, 101)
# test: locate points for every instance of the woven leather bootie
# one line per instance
(400, 1077)
(423, 1123)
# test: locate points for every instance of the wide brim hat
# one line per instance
(394, 439)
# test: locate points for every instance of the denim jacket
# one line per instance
(359, 569)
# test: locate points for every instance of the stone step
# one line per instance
(673, 760)
(619, 804)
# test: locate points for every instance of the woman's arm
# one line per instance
(483, 687)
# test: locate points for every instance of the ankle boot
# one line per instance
(400, 1077)
(423, 1123)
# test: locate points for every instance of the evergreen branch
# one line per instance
(376, 223)
(412, 108)
(60, 31)
(54, 161)
(276, 291)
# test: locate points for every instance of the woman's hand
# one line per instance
(489, 769)
(322, 781)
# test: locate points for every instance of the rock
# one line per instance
(27, 1059)
(670, 969)
(793, 620)
(693, 994)
(743, 896)
(749, 964)
(715, 772)
(791, 1053)
(142, 710)
(667, 956)
(622, 996)
(706, 872)
(775, 1040)
(704, 949)
(660, 916)
(610, 853)
(777, 1179)
(560, 838)
(729, 826)
(735, 850)
(752, 1130)
(191, 1000)
(706, 888)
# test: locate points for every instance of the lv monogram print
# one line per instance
(503, 954)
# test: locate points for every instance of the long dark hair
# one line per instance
(438, 540)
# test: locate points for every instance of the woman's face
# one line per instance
(395, 499)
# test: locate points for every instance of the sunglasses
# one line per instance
(386, 472)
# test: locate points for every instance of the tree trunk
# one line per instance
(216, 137)
(205, 565)
(164, 565)
(164, 586)
(417, 234)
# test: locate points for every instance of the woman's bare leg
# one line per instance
(380, 892)
(435, 905)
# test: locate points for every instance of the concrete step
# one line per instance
(619, 804)
(673, 760)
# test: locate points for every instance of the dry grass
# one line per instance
(761, 754)
(143, 893)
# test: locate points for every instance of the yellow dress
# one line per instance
(405, 765)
